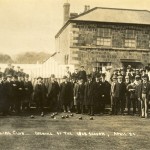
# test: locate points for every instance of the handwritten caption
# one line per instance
(39, 133)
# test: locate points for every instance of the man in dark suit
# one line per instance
(53, 91)
(105, 93)
(80, 100)
(88, 95)
(28, 90)
(15, 86)
(96, 90)
(40, 95)
(82, 73)
(119, 95)
(8, 92)
(143, 93)
(66, 94)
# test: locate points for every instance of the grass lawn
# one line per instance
(102, 133)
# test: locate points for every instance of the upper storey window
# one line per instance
(104, 37)
(130, 39)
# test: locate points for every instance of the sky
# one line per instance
(31, 25)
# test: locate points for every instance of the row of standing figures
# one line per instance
(91, 97)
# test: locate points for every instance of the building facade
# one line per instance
(102, 37)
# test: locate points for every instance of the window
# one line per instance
(130, 37)
(130, 43)
(103, 41)
(130, 34)
(104, 32)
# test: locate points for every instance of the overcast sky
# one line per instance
(31, 25)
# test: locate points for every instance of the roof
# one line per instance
(115, 15)
(112, 15)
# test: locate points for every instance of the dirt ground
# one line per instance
(46, 133)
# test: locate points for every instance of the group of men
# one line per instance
(79, 92)
(15, 90)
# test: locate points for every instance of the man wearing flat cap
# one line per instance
(52, 93)
(143, 93)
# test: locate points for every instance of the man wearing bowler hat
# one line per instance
(105, 93)
(28, 89)
(119, 95)
(66, 94)
(40, 95)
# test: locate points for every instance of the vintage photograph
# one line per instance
(74, 74)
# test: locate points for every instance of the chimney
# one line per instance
(72, 15)
(66, 12)
(86, 8)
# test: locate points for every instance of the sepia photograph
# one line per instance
(74, 74)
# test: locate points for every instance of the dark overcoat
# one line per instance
(40, 92)
(66, 93)
(28, 89)
(88, 95)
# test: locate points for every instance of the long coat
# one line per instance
(105, 92)
(7, 94)
(96, 90)
(81, 91)
(66, 93)
(88, 98)
(120, 90)
(40, 92)
(53, 89)
(28, 89)
(75, 93)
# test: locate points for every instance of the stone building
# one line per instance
(104, 37)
